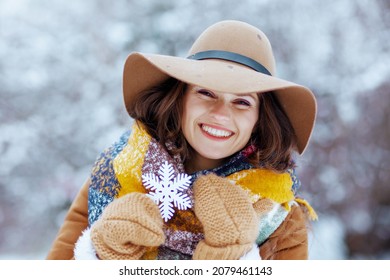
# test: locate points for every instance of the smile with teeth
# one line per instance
(216, 132)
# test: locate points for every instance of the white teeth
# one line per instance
(216, 132)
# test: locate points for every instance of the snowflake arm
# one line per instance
(166, 173)
(182, 202)
(151, 182)
(182, 182)
(166, 210)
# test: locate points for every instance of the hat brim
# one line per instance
(143, 71)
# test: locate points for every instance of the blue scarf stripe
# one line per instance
(104, 183)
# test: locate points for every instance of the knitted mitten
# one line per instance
(127, 226)
(230, 221)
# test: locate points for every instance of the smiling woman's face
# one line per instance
(216, 124)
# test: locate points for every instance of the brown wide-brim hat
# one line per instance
(229, 56)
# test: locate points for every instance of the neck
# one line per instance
(197, 163)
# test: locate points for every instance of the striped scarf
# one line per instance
(119, 169)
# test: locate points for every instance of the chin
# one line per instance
(216, 156)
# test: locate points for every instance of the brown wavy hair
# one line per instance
(160, 108)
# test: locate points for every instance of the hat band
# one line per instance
(231, 56)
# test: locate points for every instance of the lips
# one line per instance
(216, 131)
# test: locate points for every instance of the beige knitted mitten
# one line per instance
(127, 226)
(230, 221)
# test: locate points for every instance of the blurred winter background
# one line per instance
(61, 104)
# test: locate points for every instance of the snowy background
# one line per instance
(61, 104)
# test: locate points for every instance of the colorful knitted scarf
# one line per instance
(123, 167)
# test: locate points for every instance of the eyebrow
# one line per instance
(252, 95)
(245, 94)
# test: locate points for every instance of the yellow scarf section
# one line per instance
(128, 163)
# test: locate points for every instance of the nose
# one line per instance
(221, 111)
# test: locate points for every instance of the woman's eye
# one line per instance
(243, 104)
(205, 93)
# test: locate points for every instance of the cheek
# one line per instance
(249, 123)
(192, 111)
(185, 122)
(188, 117)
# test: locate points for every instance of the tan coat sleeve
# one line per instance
(290, 240)
(75, 222)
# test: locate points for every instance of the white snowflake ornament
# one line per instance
(166, 190)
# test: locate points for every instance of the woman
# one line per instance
(207, 171)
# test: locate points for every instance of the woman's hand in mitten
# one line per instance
(127, 227)
(230, 222)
